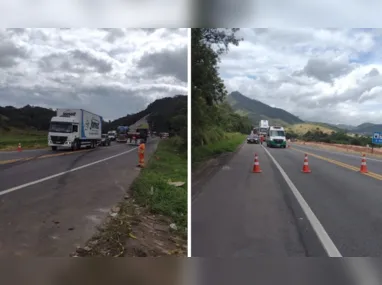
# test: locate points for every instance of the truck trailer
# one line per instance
(122, 134)
(140, 134)
(74, 128)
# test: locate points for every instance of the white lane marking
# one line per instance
(62, 173)
(321, 233)
(341, 153)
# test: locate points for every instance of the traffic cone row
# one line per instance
(257, 169)
(305, 168)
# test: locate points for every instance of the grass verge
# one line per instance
(229, 144)
(9, 140)
(152, 188)
(140, 224)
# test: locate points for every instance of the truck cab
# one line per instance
(63, 132)
(276, 137)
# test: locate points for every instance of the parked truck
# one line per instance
(122, 134)
(263, 129)
(112, 135)
(74, 128)
(140, 134)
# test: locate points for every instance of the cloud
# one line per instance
(112, 72)
(326, 75)
(157, 63)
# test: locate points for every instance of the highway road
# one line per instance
(332, 211)
(312, 271)
(51, 202)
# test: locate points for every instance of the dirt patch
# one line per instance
(345, 148)
(133, 231)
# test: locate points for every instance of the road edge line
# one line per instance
(320, 231)
(61, 173)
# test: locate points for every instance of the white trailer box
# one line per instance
(74, 128)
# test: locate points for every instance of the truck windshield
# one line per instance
(60, 127)
(277, 133)
(263, 130)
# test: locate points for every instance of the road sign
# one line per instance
(377, 138)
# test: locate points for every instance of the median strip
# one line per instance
(344, 165)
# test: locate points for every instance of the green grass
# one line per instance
(228, 144)
(151, 188)
(28, 139)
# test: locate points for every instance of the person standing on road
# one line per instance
(141, 155)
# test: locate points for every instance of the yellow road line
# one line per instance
(39, 157)
(10, 160)
(344, 165)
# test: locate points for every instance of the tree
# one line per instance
(208, 90)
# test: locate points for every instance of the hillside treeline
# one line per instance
(166, 115)
(211, 115)
(334, 137)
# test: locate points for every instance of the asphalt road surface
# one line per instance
(51, 202)
(333, 211)
(354, 271)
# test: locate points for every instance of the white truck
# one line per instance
(276, 137)
(263, 129)
(112, 135)
(74, 128)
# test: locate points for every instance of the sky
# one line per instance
(325, 75)
(110, 72)
(187, 13)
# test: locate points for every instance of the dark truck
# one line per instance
(140, 134)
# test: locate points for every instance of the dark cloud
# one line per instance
(10, 54)
(74, 61)
(326, 70)
(114, 34)
(170, 63)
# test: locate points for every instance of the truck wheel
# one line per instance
(54, 148)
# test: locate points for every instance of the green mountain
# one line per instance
(257, 110)
(367, 129)
(165, 115)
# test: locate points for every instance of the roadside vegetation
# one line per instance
(216, 128)
(229, 143)
(29, 139)
(339, 137)
(155, 189)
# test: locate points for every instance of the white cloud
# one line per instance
(112, 72)
(327, 75)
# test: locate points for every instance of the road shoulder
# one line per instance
(151, 220)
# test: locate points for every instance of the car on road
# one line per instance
(253, 138)
(105, 141)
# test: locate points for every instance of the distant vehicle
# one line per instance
(253, 138)
(140, 134)
(276, 137)
(112, 135)
(122, 133)
(105, 141)
(263, 128)
(74, 128)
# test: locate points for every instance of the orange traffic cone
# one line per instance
(19, 147)
(256, 165)
(363, 165)
(305, 168)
